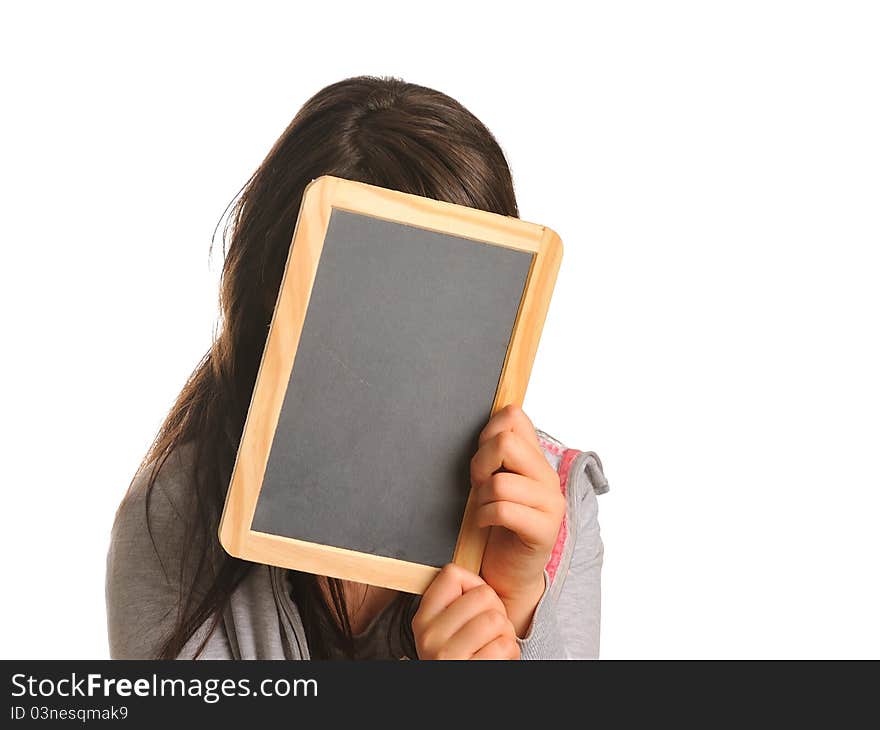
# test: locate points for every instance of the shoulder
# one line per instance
(582, 469)
(161, 488)
(147, 544)
(155, 507)
(581, 478)
(151, 519)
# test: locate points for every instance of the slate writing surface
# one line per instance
(395, 375)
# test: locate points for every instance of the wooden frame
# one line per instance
(320, 197)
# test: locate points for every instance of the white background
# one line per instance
(713, 169)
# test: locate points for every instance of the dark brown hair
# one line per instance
(382, 131)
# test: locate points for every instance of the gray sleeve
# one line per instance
(543, 640)
(578, 609)
(143, 573)
(569, 629)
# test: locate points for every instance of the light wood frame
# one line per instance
(321, 196)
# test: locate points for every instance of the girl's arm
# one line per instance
(578, 608)
(519, 497)
(142, 585)
(566, 629)
(569, 629)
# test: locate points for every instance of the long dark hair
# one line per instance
(381, 131)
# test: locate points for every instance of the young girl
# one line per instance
(172, 592)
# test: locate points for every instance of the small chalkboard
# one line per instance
(401, 325)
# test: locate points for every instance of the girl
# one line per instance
(172, 592)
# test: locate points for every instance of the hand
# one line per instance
(461, 617)
(517, 495)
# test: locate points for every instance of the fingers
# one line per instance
(527, 499)
(509, 487)
(510, 418)
(484, 629)
(481, 599)
(459, 616)
(503, 647)
(450, 584)
(510, 451)
(533, 527)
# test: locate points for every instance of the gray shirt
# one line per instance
(261, 621)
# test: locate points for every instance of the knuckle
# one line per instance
(491, 512)
(477, 472)
(506, 440)
(417, 625)
(502, 511)
(485, 594)
(512, 410)
(497, 484)
(509, 647)
(426, 637)
(495, 620)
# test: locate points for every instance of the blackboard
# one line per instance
(401, 325)
(402, 348)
